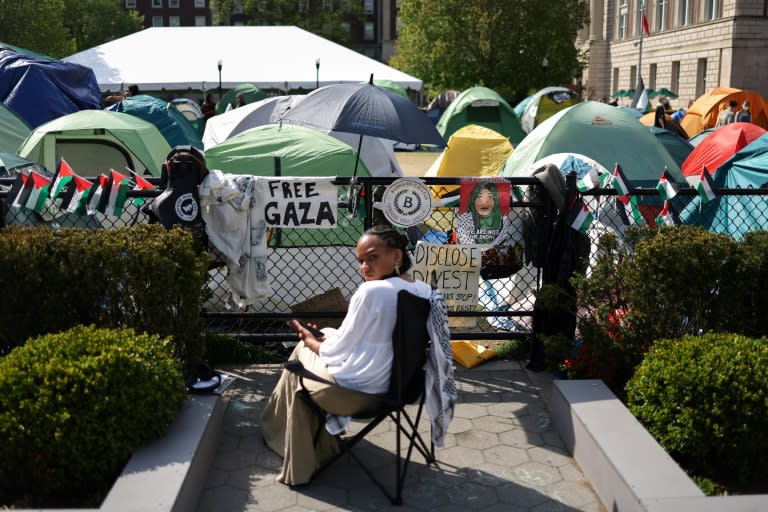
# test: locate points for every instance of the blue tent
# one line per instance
(176, 129)
(735, 215)
(40, 90)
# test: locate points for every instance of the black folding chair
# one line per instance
(410, 343)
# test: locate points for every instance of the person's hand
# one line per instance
(308, 333)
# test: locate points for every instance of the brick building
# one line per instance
(693, 46)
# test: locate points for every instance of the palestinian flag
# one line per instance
(706, 187)
(629, 211)
(61, 179)
(117, 192)
(140, 184)
(36, 200)
(667, 186)
(96, 195)
(619, 182)
(667, 216)
(590, 180)
(580, 216)
(75, 199)
(19, 192)
(360, 206)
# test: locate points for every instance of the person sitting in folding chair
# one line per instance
(357, 356)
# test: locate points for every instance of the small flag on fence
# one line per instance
(590, 180)
(140, 184)
(39, 192)
(706, 187)
(620, 182)
(19, 192)
(629, 211)
(75, 198)
(61, 179)
(581, 217)
(667, 216)
(97, 191)
(118, 190)
(667, 186)
(605, 180)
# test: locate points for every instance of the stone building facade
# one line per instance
(692, 47)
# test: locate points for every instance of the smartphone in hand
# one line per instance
(317, 333)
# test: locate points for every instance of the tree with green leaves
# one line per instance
(94, 22)
(331, 19)
(502, 44)
(37, 25)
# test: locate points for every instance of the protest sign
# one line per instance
(294, 202)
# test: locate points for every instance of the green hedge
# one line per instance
(705, 400)
(145, 277)
(76, 405)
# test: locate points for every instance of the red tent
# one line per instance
(719, 146)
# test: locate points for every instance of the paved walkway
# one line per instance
(501, 454)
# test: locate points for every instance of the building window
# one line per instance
(130, 4)
(157, 4)
(710, 9)
(173, 4)
(200, 21)
(622, 25)
(684, 15)
(157, 21)
(701, 77)
(675, 81)
(237, 7)
(615, 79)
(639, 8)
(661, 15)
(632, 76)
(368, 6)
(369, 33)
(652, 76)
(200, 4)
(174, 21)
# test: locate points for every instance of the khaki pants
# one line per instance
(289, 425)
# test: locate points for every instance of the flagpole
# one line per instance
(636, 98)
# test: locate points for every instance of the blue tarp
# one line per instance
(40, 89)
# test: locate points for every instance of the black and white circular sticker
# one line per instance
(186, 207)
(406, 202)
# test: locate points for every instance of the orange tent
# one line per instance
(704, 111)
(649, 119)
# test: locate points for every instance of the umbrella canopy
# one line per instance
(599, 131)
(621, 93)
(364, 109)
(176, 129)
(735, 215)
(722, 143)
(666, 92)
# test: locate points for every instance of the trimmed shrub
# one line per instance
(705, 400)
(77, 404)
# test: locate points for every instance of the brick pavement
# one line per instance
(501, 454)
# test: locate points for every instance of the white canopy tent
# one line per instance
(270, 57)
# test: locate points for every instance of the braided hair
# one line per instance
(393, 239)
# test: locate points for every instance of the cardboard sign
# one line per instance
(301, 203)
(457, 268)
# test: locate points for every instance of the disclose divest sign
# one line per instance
(457, 268)
(301, 203)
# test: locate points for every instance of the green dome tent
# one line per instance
(484, 107)
(176, 129)
(602, 132)
(13, 130)
(302, 152)
(93, 141)
(250, 91)
(677, 147)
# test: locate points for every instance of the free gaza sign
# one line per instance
(301, 203)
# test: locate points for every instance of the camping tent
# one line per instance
(270, 57)
(482, 106)
(704, 111)
(546, 102)
(171, 123)
(472, 150)
(250, 92)
(95, 141)
(191, 111)
(649, 119)
(678, 148)
(721, 144)
(13, 130)
(39, 89)
(731, 214)
(378, 155)
(696, 139)
(439, 103)
(599, 131)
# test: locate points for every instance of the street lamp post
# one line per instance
(219, 66)
(317, 74)
(544, 66)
